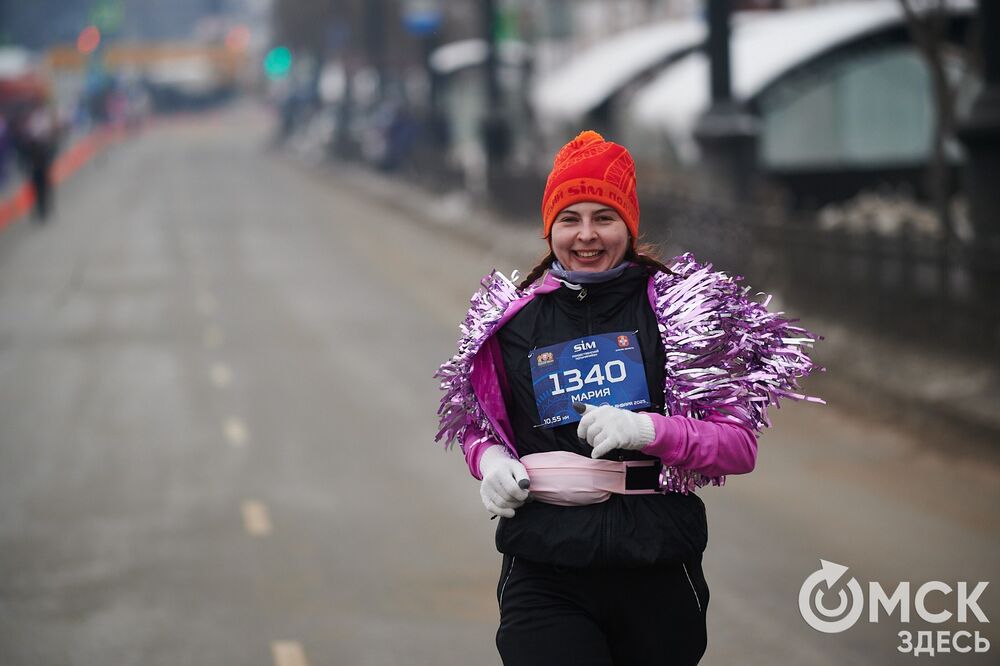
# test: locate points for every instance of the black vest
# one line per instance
(626, 530)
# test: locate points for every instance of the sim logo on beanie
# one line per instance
(588, 168)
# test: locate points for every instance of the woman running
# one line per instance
(591, 401)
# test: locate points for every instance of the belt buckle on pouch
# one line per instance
(642, 476)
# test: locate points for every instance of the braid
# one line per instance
(537, 271)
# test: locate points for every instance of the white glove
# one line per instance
(608, 428)
(505, 482)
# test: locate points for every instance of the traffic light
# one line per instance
(88, 40)
(238, 38)
(278, 63)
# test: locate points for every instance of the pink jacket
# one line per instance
(713, 446)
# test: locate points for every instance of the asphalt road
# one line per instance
(216, 441)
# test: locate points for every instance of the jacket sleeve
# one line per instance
(474, 444)
(713, 446)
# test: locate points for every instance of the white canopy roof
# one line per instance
(761, 51)
(470, 52)
(569, 92)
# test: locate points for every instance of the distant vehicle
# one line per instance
(176, 75)
(189, 81)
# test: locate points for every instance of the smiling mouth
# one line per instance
(587, 254)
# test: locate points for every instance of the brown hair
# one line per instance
(644, 254)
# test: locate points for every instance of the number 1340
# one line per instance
(612, 372)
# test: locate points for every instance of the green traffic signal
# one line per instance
(278, 62)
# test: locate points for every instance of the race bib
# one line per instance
(603, 369)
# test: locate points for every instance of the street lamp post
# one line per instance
(422, 19)
(435, 115)
(980, 132)
(718, 51)
(375, 42)
(726, 133)
(495, 133)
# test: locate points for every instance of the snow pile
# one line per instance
(892, 214)
(464, 53)
(569, 92)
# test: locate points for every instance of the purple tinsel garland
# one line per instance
(725, 355)
(459, 406)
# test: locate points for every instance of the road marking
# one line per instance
(256, 519)
(288, 653)
(213, 336)
(236, 431)
(207, 303)
(221, 375)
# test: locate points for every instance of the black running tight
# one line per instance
(601, 617)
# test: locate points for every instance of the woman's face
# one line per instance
(589, 236)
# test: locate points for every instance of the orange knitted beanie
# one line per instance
(588, 168)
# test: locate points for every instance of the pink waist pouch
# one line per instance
(567, 479)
